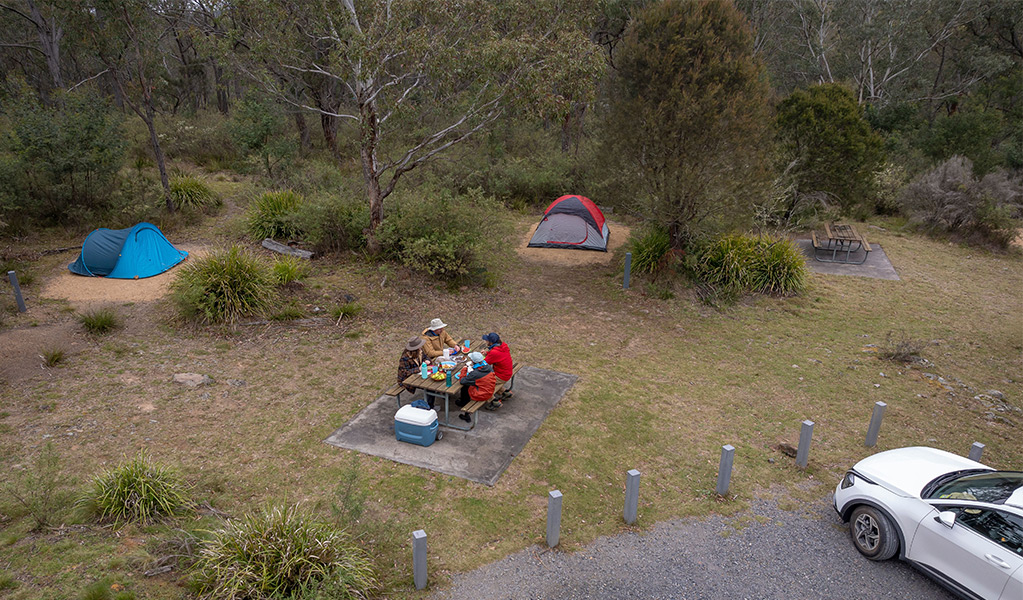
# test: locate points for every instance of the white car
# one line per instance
(957, 520)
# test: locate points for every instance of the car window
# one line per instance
(994, 487)
(1003, 528)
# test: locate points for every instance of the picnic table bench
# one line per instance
(840, 243)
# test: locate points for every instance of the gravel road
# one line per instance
(764, 553)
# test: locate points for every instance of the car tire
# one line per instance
(873, 533)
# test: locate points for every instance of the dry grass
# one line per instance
(663, 384)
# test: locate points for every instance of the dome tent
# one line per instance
(571, 222)
(135, 253)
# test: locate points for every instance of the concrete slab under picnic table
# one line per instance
(877, 265)
(479, 455)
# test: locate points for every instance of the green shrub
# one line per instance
(738, 263)
(649, 250)
(273, 215)
(949, 201)
(224, 286)
(259, 127)
(281, 553)
(440, 234)
(41, 489)
(203, 138)
(191, 192)
(138, 491)
(99, 321)
(289, 269)
(69, 155)
(335, 221)
(52, 356)
(535, 180)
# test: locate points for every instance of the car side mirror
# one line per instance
(946, 518)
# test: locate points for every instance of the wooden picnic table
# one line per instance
(843, 243)
(440, 390)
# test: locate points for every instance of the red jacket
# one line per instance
(500, 357)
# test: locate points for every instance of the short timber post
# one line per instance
(803, 452)
(553, 518)
(875, 424)
(976, 451)
(628, 267)
(13, 277)
(419, 558)
(725, 469)
(631, 496)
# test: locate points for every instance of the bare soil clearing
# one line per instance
(619, 234)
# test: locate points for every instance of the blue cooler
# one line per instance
(415, 425)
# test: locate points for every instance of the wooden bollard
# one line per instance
(419, 558)
(803, 452)
(631, 496)
(553, 518)
(725, 469)
(875, 424)
(976, 451)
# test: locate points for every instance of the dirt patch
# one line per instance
(85, 292)
(568, 257)
(21, 349)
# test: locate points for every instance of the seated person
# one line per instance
(477, 386)
(437, 338)
(410, 359)
(499, 355)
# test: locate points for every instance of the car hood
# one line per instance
(907, 470)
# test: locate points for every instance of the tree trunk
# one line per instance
(50, 34)
(218, 74)
(367, 153)
(304, 142)
(161, 161)
(329, 125)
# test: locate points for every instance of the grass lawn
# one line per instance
(663, 385)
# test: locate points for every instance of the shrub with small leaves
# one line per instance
(191, 192)
(223, 286)
(274, 215)
(281, 553)
(138, 491)
(99, 321)
(899, 347)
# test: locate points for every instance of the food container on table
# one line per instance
(415, 425)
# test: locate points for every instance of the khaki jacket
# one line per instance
(435, 344)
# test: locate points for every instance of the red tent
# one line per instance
(571, 222)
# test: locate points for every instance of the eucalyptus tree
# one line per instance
(40, 28)
(417, 77)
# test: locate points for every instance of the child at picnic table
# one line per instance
(477, 385)
(437, 338)
(499, 355)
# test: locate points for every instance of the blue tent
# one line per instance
(136, 253)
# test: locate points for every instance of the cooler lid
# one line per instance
(415, 416)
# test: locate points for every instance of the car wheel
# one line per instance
(873, 533)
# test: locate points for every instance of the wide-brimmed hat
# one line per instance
(415, 343)
(476, 357)
(492, 338)
(437, 324)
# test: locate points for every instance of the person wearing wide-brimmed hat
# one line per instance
(437, 338)
(410, 360)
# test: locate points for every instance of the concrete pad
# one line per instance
(877, 265)
(480, 455)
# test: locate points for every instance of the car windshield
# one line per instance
(994, 487)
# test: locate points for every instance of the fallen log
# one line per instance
(269, 244)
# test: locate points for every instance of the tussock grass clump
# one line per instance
(224, 286)
(760, 265)
(649, 251)
(53, 356)
(138, 491)
(348, 310)
(99, 321)
(273, 215)
(289, 269)
(281, 553)
(899, 347)
(189, 191)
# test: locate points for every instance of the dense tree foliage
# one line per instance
(689, 114)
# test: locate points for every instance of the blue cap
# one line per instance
(492, 338)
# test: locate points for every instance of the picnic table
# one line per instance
(843, 243)
(440, 390)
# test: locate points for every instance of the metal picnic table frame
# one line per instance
(440, 390)
(838, 239)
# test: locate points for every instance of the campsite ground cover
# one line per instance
(663, 384)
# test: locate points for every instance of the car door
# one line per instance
(980, 552)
